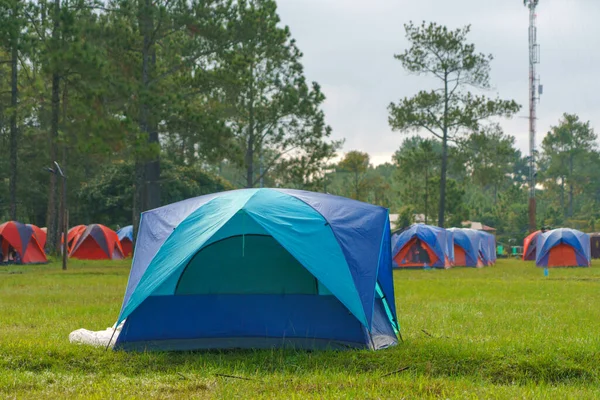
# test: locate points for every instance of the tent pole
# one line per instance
(111, 338)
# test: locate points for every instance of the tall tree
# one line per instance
(152, 45)
(566, 152)
(10, 26)
(277, 113)
(488, 156)
(61, 63)
(14, 95)
(307, 170)
(416, 167)
(450, 109)
(356, 163)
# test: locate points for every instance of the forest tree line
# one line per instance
(144, 103)
(147, 102)
(487, 180)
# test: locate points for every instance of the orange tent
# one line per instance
(422, 246)
(21, 238)
(410, 255)
(97, 242)
(530, 246)
(40, 234)
(73, 235)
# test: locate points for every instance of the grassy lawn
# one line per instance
(501, 332)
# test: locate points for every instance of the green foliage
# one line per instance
(449, 110)
(144, 103)
(488, 156)
(276, 114)
(570, 163)
(108, 197)
(355, 164)
(153, 83)
(417, 166)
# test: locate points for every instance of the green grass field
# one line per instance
(501, 332)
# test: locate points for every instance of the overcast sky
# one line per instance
(348, 48)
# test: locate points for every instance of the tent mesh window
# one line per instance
(246, 264)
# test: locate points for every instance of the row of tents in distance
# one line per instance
(418, 246)
(24, 243)
(425, 246)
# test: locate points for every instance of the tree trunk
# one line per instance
(495, 193)
(147, 172)
(138, 196)
(356, 189)
(249, 159)
(571, 186)
(153, 166)
(426, 194)
(562, 196)
(14, 142)
(148, 123)
(52, 218)
(250, 155)
(442, 210)
(153, 181)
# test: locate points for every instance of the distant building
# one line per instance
(393, 219)
(478, 226)
(417, 219)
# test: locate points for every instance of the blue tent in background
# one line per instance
(467, 247)
(423, 246)
(488, 246)
(563, 248)
(125, 232)
(261, 268)
(125, 235)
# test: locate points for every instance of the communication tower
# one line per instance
(535, 90)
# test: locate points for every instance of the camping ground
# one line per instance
(498, 332)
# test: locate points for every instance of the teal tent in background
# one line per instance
(256, 268)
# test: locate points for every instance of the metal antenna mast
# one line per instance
(535, 89)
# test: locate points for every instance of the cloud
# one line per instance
(348, 48)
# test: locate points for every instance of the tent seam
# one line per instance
(338, 241)
(334, 235)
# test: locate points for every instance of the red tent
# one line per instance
(409, 256)
(127, 246)
(73, 235)
(97, 242)
(530, 246)
(22, 239)
(40, 234)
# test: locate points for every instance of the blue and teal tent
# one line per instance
(261, 268)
